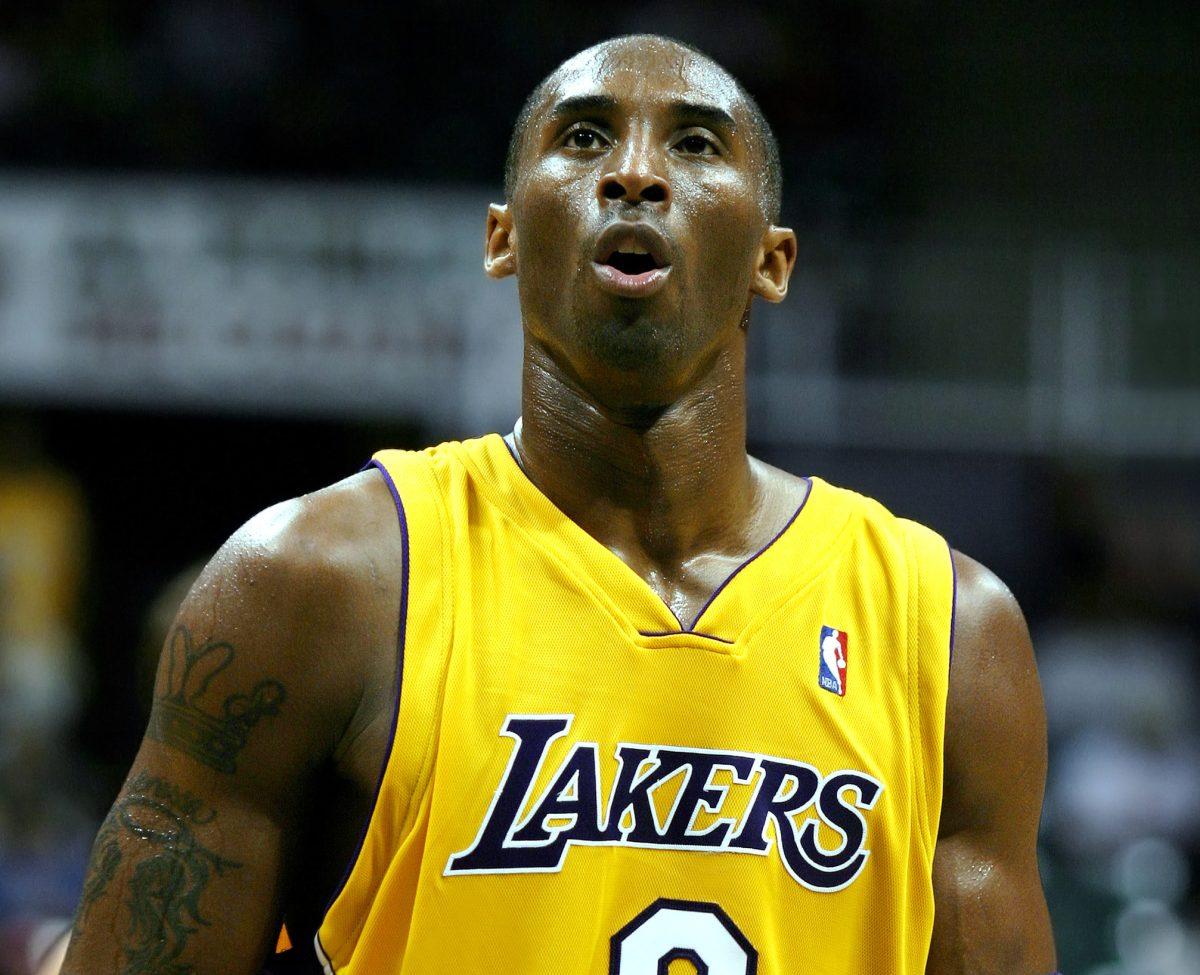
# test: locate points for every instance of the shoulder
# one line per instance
(984, 601)
(992, 648)
(844, 503)
(995, 718)
(305, 594)
(324, 536)
(317, 566)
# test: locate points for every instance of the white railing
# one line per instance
(238, 296)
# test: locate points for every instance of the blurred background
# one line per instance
(240, 249)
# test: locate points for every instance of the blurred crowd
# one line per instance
(45, 818)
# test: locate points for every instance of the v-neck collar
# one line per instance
(750, 590)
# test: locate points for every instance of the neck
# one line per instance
(666, 482)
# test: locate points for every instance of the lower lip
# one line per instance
(631, 285)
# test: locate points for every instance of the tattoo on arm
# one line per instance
(184, 716)
(171, 869)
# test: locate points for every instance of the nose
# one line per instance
(636, 177)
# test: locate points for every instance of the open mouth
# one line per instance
(632, 262)
(632, 259)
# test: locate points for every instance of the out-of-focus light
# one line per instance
(1151, 940)
(1150, 869)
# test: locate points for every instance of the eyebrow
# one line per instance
(578, 105)
(711, 115)
(582, 105)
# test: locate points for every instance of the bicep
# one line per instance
(990, 911)
(187, 870)
(180, 869)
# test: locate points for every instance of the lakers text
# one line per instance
(569, 811)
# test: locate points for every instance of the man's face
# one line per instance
(637, 220)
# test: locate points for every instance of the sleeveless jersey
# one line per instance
(580, 785)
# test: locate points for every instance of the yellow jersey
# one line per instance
(580, 785)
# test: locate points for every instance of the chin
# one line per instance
(629, 335)
(635, 357)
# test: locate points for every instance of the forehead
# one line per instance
(645, 74)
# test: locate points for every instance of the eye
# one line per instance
(584, 138)
(697, 145)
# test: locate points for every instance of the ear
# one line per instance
(774, 262)
(500, 242)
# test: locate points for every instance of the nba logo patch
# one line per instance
(832, 653)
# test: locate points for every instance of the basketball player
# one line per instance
(561, 701)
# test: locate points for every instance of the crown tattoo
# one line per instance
(179, 721)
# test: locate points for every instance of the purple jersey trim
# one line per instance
(403, 624)
(512, 450)
(953, 607)
(728, 579)
(707, 636)
(323, 958)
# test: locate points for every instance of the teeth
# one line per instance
(633, 249)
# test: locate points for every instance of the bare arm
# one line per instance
(991, 916)
(259, 682)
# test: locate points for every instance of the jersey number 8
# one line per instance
(671, 929)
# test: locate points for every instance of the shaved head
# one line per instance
(761, 135)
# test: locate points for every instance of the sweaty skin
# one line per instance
(633, 424)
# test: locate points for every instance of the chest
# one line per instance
(571, 719)
(584, 759)
(580, 773)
